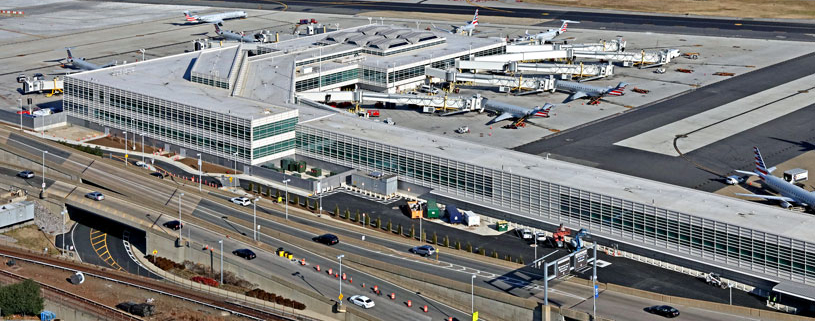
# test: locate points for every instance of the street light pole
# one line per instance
(222, 260)
(142, 147)
(255, 217)
(63, 231)
(199, 172)
(286, 181)
(472, 295)
(340, 258)
(43, 169)
(21, 114)
(235, 170)
(594, 281)
(179, 218)
(125, 148)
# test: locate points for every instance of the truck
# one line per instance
(372, 112)
(307, 21)
(470, 218)
(453, 214)
(796, 175)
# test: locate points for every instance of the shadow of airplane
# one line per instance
(805, 146)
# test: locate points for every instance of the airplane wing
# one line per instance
(502, 116)
(112, 63)
(747, 173)
(769, 197)
(440, 29)
(218, 21)
(576, 95)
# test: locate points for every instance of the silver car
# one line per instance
(424, 250)
(96, 196)
(26, 174)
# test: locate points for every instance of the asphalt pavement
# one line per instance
(780, 139)
(589, 19)
(100, 241)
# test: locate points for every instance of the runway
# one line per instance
(724, 27)
(594, 144)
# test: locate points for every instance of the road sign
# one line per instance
(562, 267)
(340, 297)
(155, 252)
(596, 290)
(126, 155)
(475, 316)
(580, 259)
(43, 185)
(199, 163)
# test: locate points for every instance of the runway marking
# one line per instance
(726, 120)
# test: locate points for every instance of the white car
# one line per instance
(241, 201)
(142, 165)
(362, 301)
(734, 179)
(96, 196)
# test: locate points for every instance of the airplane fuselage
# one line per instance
(573, 87)
(218, 17)
(787, 189)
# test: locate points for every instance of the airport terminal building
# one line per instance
(222, 102)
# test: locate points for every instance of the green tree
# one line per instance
(390, 225)
(347, 214)
(296, 199)
(508, 258)
(251, 186)
(21, 298)
(277, 195)
(446, 241)
(258, 188)
(357, 218)
(494, 254)
(336, 210)
(399, 230)
(482, 252)
(367, 220)
(521, 259)
(424, 237)
(469, 247)
(379, 221)
(412, 231)
(458, 245)
(435, 238)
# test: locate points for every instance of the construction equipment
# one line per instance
(577, 241)
(558, 238)
(687, 71)
(691, 55)
(463, 130)
(640, 90)
(715, 279)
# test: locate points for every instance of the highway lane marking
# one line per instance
(105, 256)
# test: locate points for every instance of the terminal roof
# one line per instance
(720, 208)
(216, 62)
(168, 78)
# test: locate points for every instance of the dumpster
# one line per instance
(453, 214)
(415, 209)
(502, 226)
(432, 209)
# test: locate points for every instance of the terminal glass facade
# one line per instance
(713, 241)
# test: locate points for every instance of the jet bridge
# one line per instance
(641, 58)
(438, 101)
(613, 45)
(529, 83)
(598, 70)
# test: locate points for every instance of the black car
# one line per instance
(327, 239)
(245, 253)
(26, 174)
(663, 310)
(174, 225)
(157, 174)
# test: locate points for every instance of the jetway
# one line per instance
(617, 45)
(529, 83)
(38, 84)
(643, 57)
(565, 70)
(438, 101)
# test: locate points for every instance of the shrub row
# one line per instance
(164, 264)
(271, 297)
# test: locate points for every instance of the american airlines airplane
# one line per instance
(507, 111)
(231, 35)
(790, 193)
(548, 34)
(579, 90)
(468, 27)
(214, 18)
(80, 63)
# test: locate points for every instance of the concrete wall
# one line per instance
(8, 158)
(66, 313)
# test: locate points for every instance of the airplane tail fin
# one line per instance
(70, 55)
(619, 90)
(543, 111)
(761, 167)
(187, 15)
(566, 25)
(217, 30)
(475, 18)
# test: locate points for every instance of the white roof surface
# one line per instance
(764, 218)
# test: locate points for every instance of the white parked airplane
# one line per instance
(214, 18)
(548, 34)
(466, 28)
(790, 193)
(231, 35)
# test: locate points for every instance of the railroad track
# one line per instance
(70, 299)
(141, 282)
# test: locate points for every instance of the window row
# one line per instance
(273, 148)
(272, 129)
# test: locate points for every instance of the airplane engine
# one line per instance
(785, 204)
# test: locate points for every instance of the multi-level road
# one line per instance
(214, 209)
